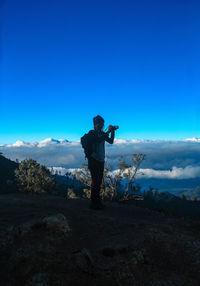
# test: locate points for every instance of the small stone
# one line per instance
(39, 279)
(58, 223)
(88, 255)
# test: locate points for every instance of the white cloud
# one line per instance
(194, 139)
(161, 155)
(21, 143)
(44, 143)
(129, 141)
(51, 141)
(188, 172)
(59, 170)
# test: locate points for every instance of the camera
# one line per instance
(112, 128)
(115, 127)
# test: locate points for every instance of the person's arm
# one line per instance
(110, 139)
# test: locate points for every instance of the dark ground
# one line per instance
(120, 245)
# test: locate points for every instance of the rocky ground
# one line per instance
(50, 241)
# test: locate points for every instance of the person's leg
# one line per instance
(100, 177)
(94, 170)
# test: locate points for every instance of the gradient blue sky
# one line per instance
(136, 63)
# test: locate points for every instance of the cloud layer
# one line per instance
(164, 158)
(188, 172)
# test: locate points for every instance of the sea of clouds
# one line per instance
(164, 158)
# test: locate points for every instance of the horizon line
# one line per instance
(76, 140)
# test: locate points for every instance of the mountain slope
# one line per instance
(7, 178)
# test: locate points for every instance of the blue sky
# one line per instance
(136, 63)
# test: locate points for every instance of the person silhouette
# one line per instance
(96, 160)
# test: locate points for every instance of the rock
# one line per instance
(83, 260)
(57, 223)
(138, 256)
(88, 256)
(39, 279)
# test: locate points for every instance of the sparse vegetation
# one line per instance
(120, 186)
(83, 175)
(71, 194)
(34, 178)
(112, 188)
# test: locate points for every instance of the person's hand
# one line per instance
(110, 128)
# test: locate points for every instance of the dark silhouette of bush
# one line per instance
(35, 178)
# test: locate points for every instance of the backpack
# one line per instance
(86, 143)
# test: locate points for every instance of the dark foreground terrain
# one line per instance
(50, 241)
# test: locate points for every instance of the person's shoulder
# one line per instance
(92, 131)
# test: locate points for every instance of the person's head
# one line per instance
(98, 123)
